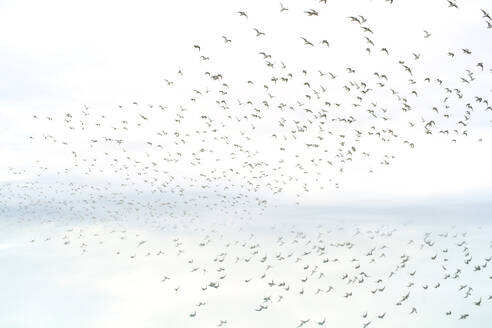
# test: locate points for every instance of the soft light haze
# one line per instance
(245, 163)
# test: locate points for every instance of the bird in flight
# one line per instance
(242, 14)
(258, 32)
(306, 42)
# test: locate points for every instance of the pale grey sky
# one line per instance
(58, 56)
(112, 179)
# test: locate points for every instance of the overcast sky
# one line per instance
(123, 164)
(57, 56)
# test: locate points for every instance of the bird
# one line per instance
(311, 12)
(306, 42)
(258, 32)
(452, 4)
(242, 14)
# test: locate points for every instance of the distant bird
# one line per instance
(312, 12)
(258, 32)
(306, 42)
(242, 14)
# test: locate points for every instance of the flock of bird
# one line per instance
(289, 128)
(223, 274)
(234, 141)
